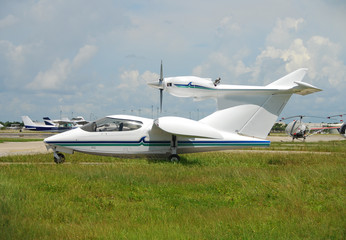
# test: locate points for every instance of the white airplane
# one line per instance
(48, 125)
(79, 121)
(65, 122)
(244, 118)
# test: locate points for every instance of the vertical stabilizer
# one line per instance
(27, 121)
(253, 112)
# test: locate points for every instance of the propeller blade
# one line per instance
(161, 95)
(161, 74)
(161, 85)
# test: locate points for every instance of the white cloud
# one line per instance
(44, 10)
(55, 77)
(9, 20)
(283, 31)
(15, 54)
(129, 80)
(85, 53)
(326, 62)
(284, 52)
(227, 26)
(294, 57)
(133, 86)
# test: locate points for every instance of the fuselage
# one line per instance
(45, 128)
(120, 135)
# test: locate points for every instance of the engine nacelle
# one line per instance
(190, 86)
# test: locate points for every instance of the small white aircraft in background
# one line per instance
(244, 118)
(74, 122)
(48, 126)
(79, 121)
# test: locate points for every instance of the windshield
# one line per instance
(111, 125)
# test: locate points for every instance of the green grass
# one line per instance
(2, 140)
(220, 195)
(328, 146)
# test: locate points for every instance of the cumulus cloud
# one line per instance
(85, 53)
(227, 26)
(14, 53)
(283, 31)
(129, 80)
(9, 20)
(294, 57)
(55, 77)
(133, 85)
(285, 51)
(318, 54)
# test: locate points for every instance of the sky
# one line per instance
(68, 58)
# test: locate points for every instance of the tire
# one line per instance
(60, 159)
(174, 158)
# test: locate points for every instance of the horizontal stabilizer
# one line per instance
(305, 88)
(293, 83)
(48, 123)
(186, 127)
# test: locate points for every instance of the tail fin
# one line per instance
(253, 113)
(48, 121)
(289, 80)
(27, 121)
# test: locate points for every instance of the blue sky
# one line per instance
(94, 58)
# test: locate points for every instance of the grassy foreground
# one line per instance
(207, 196)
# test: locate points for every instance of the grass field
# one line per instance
(236, 195)
(2, 140)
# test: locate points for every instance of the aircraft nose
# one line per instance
(62, 137)
(50, 139)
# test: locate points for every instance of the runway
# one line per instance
(22, 148)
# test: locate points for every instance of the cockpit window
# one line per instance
(112, 125)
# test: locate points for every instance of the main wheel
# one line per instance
(60, 158)
(174, 158)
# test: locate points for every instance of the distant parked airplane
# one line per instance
(49, 126)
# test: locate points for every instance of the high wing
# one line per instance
(186, 127)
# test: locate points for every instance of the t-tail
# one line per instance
(48, 121)
(252, 111)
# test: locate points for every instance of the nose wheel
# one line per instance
(59, 158)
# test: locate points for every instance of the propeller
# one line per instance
(338, 115)
(160, 85)
(301, 117)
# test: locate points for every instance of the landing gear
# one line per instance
(59, 158)
(174, 156)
